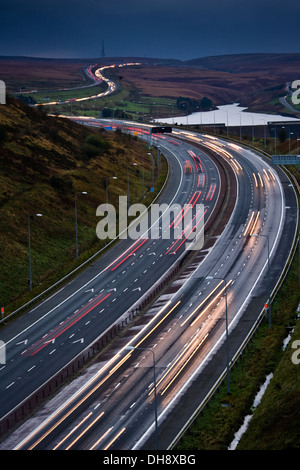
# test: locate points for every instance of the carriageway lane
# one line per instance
(244, 262)
(42, 341)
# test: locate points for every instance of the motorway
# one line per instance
(53, 333)
(184, 330)
(98, 78)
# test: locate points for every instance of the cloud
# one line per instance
(160, 28)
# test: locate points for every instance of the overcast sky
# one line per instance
(180, 29)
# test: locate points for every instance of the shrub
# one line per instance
(99, 142)
(3, 134)
(62, 184)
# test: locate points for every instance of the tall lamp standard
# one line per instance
(155, 398)
(128, 183)
(76, 230)
(106, 186)
(264, 132)
(158, 161)
(29, 248)
(269, 280)
(143, 176)
(152, 170)
(227, 336)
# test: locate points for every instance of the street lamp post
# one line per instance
(158, 161)
(76, 230)
(264, 133)
(128, 183)
(143, 177)
(155, 398)
(227, 336)
(106, 186)
(152, 160)
(29, 248)
(290, 133)
(269, 280)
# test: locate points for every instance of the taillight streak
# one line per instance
(183, 212)
(131, 253)
(65, 326)
(186, 237)
(211, 192)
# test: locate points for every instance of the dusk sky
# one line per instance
(179, 29)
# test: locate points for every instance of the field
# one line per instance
(152, 89)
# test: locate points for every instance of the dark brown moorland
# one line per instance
(253, 80)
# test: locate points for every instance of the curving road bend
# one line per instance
(49, 336)
(184, 330)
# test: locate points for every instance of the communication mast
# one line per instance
(102, 50)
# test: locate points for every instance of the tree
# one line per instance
(206, 103)
(282, 135)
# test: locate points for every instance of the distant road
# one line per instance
(98, 77)
(284, 102)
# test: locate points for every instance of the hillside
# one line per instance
(254, 80)
(278, 64)
(43, 162)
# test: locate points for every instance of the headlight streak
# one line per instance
(212, 301)
(114, 439)
(266, 174)
(72, 431)
(248, 225)
(151, 331)
(177, 359)
(194, 340)
(98, 385)
(199, 306)
(249, 231)
(185, 364)
(84, 431)
(254, 224)
(272, 174)
(260, 179)
(216, 146)
(101, 438)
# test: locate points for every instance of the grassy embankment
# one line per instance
(44, 161)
